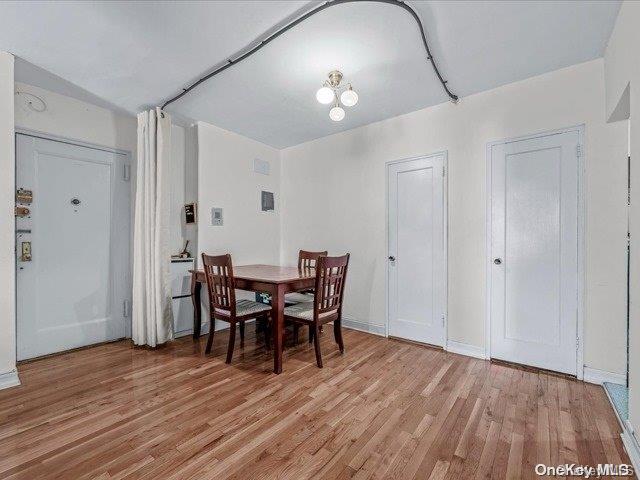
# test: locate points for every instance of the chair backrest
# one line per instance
(309, 259)
(218, 271)
(331, 275)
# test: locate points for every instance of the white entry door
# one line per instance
(74, 288)
(534, 251)
(416, 263)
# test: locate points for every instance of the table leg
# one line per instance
(197, 306)
(277, 302)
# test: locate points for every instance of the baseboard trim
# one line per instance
(364, 326)
(593, 375)
(631, 445)
(465, 349)
(9, 379)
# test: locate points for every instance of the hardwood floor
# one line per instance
(384, 410)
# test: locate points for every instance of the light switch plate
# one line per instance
(216, 216)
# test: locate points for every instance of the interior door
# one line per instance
(74, 288)
(534, 248)
(416, 263)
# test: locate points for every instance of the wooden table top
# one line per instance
(271, 273)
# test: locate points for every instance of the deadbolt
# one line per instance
(392, 258)
(497, 261)
(24, 196)
(75, 201)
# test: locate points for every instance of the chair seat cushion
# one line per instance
(297, 297)
(246, 308)
(304, 311)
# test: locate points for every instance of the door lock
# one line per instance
(497, 261)
(22, 211)
(392, 258)
(26, 252)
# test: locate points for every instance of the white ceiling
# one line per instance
(132, 55)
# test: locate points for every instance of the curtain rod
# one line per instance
(289, 26)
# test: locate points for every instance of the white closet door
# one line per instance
(416, 263)
(534, 231)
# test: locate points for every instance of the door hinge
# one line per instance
(628, 180)
(126, 172)
(443, 319)
(578, 150)
(577, 343)
(443, 171)
(125, 308)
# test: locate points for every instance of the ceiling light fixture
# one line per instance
(330, 92)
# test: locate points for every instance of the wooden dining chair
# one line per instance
(331, 275)
(306, 261)
(222, 301)
(309, 259)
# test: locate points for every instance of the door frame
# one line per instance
(580, 129)
(445, 229)
(79, 143)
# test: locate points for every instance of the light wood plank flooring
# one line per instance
(384, 410)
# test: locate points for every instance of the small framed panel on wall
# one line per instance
(267, 201)
(190, 213)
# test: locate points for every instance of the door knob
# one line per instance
(497, 261)
(392, 258)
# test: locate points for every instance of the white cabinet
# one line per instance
(182, 316)
(181, 294)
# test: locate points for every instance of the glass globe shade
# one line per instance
(336, 113)
(349, 97)
(325, 95)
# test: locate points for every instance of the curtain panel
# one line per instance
(152, 316)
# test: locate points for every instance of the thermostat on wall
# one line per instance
(216, 216)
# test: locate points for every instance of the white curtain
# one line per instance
(152, 317)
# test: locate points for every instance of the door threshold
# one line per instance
(415, 342)
(532, 369)
(77, 349)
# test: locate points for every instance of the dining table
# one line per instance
(275, 280)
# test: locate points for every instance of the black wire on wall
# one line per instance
(276, 34)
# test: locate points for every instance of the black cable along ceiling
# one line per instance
(289, 26)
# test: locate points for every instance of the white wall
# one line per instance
(226, 179)
(622, 68)
(191, 183)
(183, 187)
(76, 120)
(176, 178)
(7, 238)
(334, 198)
